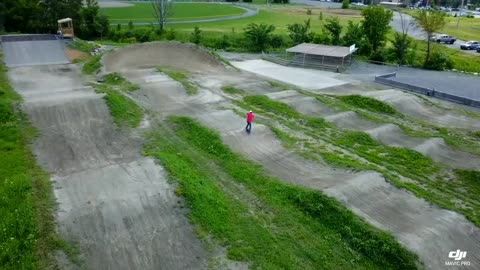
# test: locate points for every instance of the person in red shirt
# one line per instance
(250, 117)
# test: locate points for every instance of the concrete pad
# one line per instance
(303, 78)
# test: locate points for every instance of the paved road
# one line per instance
(29, 50)
(416, 32)
(444, 81)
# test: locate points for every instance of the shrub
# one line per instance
(334, 27)
(222, 43)
(438, 61)
(259, 35)
(170, 34)
(320, 16)
(300, 33)
(277, 41)
(309, 11)
(378, 56)
(345, 4)
(321, 38)
(196, 35)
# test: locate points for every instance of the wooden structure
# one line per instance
(65, 27)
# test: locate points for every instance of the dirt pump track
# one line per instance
(117, 205)
(426, 229)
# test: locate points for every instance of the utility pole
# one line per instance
(459, 15)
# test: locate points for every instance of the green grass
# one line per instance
(92, 65)
(368, 103)
(27, 227)
(233, 90)
(122, 83)
(82, 46)
(125, 112)
(180, 76)
(143, 12)
(270, 224)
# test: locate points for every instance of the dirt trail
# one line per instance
(113, 203)
(416, 107)
(426, 229)
(389, 134)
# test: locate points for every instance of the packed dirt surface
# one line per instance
(388, 134)
(426, 229)
(145, 55)
(113, 203)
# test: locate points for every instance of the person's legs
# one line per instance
(248, 127)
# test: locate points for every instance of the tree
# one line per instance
(196, 35)
(53, 10)
(375, 25)
(259, 35)
(401, 41)
(93, 25)
(345, 4)
(162, 9)
(334, 29)
(431, 22)
(300, 33)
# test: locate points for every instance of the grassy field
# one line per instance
(143, 12)
(27, 228)
(468, 29)
(267, 223)
(279, 16)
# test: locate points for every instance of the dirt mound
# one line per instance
(169, 54)
(416, 107)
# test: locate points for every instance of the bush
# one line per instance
(438, 61)
(196, 35)
(345, 4)
(321, 38)
(320, 16)
(143, 34)
(170, 34)
(309, 11)
(378, 56)
(259, 36)
(334, 27)
(222, 43)
(277, 41)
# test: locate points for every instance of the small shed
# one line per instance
(309, 54)
(65, 27)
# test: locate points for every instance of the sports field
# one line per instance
(143, 12)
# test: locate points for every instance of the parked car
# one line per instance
(444, 38)
(478, 49)
(470, 45)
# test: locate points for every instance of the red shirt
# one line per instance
(250, 117)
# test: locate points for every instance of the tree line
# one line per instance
(41, 16)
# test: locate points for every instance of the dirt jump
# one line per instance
(117, 205)
(426, 229)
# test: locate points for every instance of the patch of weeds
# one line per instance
(125, 112)
(92, 65)
(272, 106)
(180, 76)
(368, 103)
(117, 80)
(476, 134)
(302, 227)
(280, 86)
(233, 90)
(83, 46)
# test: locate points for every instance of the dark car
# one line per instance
(478, 49)
(470, 45)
